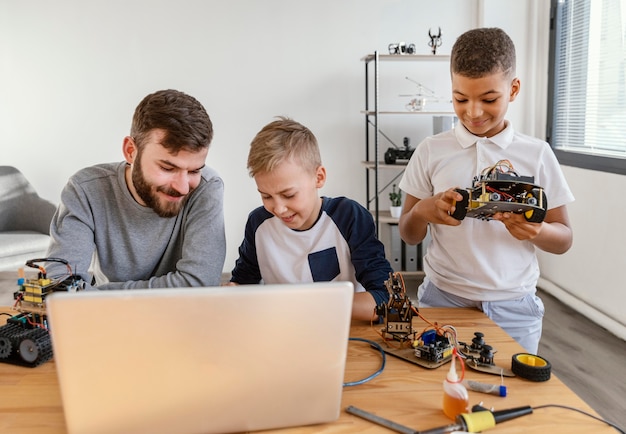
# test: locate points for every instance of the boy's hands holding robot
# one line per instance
(438, 208)
(444, 204)
(518, 226)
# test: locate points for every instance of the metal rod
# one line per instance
(380, 420)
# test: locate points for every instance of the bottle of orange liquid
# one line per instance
(455, 396)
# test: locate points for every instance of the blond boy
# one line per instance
(298, 236)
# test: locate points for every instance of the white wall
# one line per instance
(73, 71)
(589, 277)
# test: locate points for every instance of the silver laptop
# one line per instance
(201, 360)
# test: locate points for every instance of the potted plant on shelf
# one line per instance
(395, 196)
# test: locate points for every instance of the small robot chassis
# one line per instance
(500, 189)
(24, 339)
(429, 349)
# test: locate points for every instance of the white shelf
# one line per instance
(409, 112)
(372, 165)
(385, 217)
(407, 257)
(406, 57)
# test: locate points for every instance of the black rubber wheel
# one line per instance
(460, 210)
(29, 350)
(389, 157)
(536, 215)
(531, 367)
(5, 347)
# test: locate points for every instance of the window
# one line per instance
(587, 84)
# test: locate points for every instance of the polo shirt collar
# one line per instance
(467, 139)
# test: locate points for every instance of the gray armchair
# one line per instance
(24, 220)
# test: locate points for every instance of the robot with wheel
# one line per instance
(500, 189)
(24, 339)
(429, 349)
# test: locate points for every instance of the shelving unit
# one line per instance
(372, 163)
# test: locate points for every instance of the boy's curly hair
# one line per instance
(483, 51)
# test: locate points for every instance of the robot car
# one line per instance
(24, 339)
(393, 155)
(500, 189)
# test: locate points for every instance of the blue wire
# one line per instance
(375, 374)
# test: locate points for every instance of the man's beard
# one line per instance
(148, 193)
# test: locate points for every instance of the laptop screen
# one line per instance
(222, 359)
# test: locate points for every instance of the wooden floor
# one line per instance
(586, 357)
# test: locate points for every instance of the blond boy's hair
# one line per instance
(280, 141)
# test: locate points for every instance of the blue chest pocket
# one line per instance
(324, 265)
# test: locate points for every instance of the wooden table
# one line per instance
(405, 393)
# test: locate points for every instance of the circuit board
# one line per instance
(431, 350)
(408, 354)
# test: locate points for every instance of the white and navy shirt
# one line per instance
(341, 246)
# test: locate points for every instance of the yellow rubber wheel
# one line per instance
(531, 367)
(536, 215)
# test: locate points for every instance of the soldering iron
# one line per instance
(478, 420)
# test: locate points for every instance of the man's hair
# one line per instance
(481, 52)
(183, 119)
(279, 141)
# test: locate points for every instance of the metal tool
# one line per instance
(380, 420)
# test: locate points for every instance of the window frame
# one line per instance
(571, 158)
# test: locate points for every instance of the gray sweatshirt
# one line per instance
(131, 245)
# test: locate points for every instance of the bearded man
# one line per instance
(155, 220)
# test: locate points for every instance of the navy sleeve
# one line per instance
(246, 269)
(356, 224)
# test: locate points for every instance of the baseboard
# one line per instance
(583, 308)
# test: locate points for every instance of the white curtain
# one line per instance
(536, 67)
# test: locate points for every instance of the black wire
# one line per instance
(612, 425)
(6, 313)
(375, 374)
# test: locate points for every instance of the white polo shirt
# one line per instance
(481, 260)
